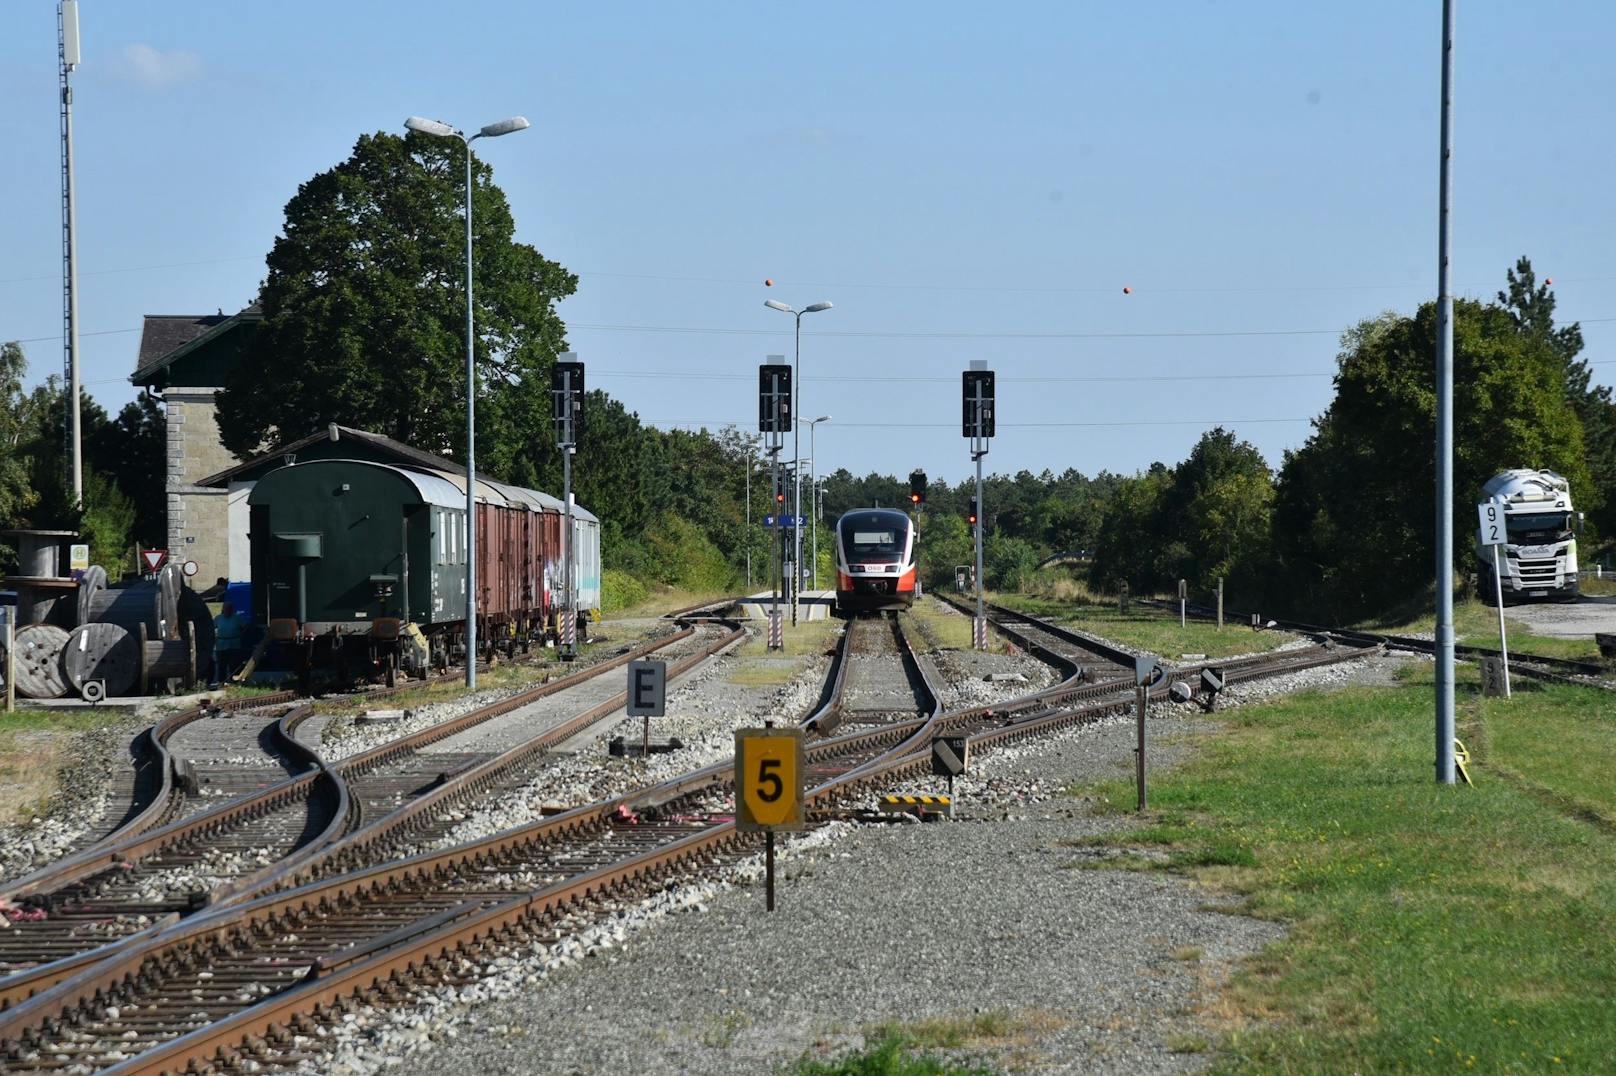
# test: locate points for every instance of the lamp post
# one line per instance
(812, 509)
(751, 458)
(796, 431)
(493, 130)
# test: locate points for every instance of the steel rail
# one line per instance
(1567, 667)
(27, 982)
(333, 980)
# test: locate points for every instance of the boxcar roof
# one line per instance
(433, 489)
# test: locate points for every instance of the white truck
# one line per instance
(1539, 556)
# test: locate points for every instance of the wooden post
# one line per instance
(1220, 603)
(11, 667)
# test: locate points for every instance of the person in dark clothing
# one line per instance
(228, 653)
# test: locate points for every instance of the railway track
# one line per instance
(1536, 666)
(388, 800)
(250, 985)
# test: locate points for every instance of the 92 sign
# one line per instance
(1493, 529)
(768, 779)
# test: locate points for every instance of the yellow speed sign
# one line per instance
(768, 779)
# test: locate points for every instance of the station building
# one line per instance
(185, 360)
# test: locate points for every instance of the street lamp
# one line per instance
(813, 510)
(796, 431)
(493, 130)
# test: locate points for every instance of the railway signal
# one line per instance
(979, 408)
(567, 408)
(917, 488)
(971, 516)
(774, 421)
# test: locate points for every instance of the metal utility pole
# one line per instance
(439, 129)
(1444, 425)
(749, 460)
(813, 498)
(67, 50)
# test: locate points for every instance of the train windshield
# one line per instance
(1536, 527)
(872, 539)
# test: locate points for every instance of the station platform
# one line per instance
(811, 605)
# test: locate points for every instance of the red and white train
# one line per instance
(875, 561)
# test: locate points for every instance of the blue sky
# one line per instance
(962, 181)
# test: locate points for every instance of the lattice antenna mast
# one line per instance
(67, 49)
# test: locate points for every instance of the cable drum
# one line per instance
(146, 603)
(169, 659)
(39, 661)
(104, 652)
(91, 583)
(195, 624)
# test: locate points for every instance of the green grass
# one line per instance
(33, 746)
(944, 627)
(1475, 623)
(660, 600)
(78, 719)
(762, 667)
(1148, 629)
(1431, 927)
(888, 1056)
(1599, 587)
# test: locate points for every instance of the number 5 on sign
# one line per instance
(768, 779)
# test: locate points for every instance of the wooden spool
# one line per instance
(93, 582)
(172, 659)
(143, 603)
(104, 652)
(196, 626)
(39, 661)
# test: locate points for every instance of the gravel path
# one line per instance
(1568, 620)
(1080, 970)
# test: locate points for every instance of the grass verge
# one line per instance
(761, 667)
(1147, 629)
(1476, 623)
(1433, 927)
(33, 745)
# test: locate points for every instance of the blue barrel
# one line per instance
(240, 596)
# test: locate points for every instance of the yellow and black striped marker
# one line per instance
(942, 805)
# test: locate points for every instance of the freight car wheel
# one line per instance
(392, 670)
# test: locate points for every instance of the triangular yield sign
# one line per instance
(154, 558)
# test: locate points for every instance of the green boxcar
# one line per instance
(338, 543)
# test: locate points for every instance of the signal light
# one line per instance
(972, 517)
(917, 487)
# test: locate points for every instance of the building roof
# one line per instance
(405, 456)
(403, 453)
(165, 338)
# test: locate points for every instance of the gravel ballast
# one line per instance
(1093, 970)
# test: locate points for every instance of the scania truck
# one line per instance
(1539, 556)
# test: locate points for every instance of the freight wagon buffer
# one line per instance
(363, 564)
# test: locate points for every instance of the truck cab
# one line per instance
(1538, 560)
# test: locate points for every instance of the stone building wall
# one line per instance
(198, 517)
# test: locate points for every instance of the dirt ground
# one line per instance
(1568, 620)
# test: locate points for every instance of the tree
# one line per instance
(17, 495)
(364, 310)
(1354, 530)
(132, 451)
(1531, 308)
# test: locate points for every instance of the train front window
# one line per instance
(872, 541)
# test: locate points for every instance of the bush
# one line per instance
(620, 590)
